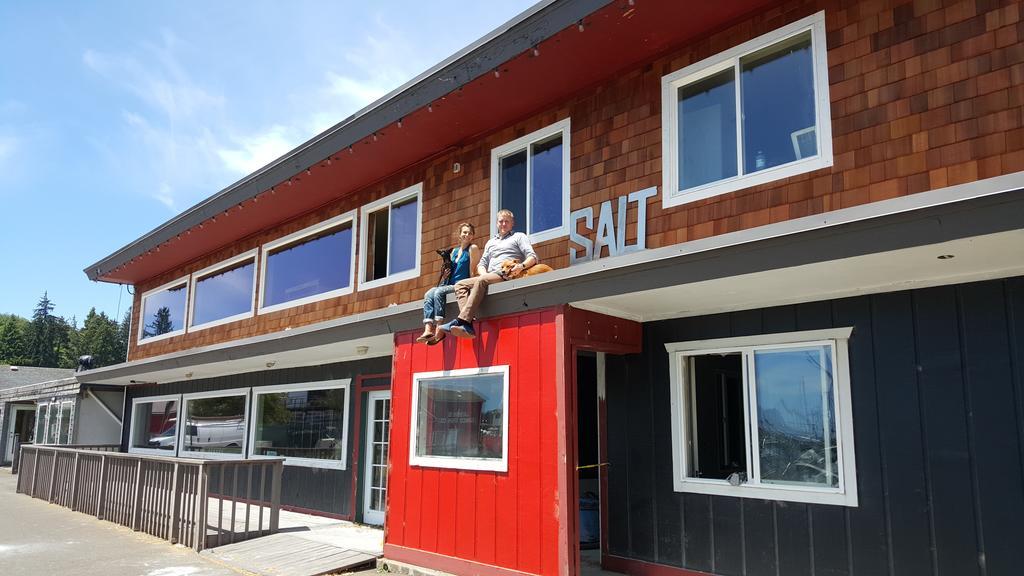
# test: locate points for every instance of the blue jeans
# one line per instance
(434, 301)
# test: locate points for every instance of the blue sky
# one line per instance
(115, 116)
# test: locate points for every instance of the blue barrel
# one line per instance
(590, 520)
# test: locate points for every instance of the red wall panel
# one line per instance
(508, 520)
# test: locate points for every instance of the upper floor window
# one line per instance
(224, 292)
(753, 114)
(764, 417)
(391, 238)
(530, 177)
(309, 265)
(163, 311)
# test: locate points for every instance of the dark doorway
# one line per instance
(588, 458)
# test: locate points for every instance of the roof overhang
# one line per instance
(555, 49)
(883, 246)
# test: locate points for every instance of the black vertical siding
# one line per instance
(316, 489)
(938, 412)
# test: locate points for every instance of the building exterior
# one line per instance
(50, 406)
(782, 334)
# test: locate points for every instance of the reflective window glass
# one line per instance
(796, 418)
(301, 424)
(461, 417)
(391, 237)
(225, 293)
(164, 311)
(513, 189)
(546, 185)
(154, 425)
(311, 266)
(214, 425)
(707, 130)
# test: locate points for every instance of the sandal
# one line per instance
(438, 337)
(425, 337)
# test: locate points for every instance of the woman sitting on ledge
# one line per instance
(463, 258)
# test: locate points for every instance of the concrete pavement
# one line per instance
(41, 538)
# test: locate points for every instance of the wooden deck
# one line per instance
(286, 553)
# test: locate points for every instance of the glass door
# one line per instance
(378, 436)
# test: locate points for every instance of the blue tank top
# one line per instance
(460, 266)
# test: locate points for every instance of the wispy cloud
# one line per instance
(250, 153)
(8, 146)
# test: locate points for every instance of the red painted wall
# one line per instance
(508, 520)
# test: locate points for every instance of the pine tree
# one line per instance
(43, 335)
(161, 323)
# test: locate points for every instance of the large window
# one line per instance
(163, 311)
(223, 292)
(307, 424)
(756, 113)
(764, 417)
(214, 424)
(460, 419)
(309, 265)
(530, 177)
(154, 427)
(391, 239)
(55, 422)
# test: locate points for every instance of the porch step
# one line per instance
(284, 553)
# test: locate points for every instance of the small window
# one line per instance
(530, 177)
(391, 239)
(460, 419)
(54, 422)
(754, 114)
(224, 292)
(154, 427)
(214, 424)
(764, 417)
(309, 265)
(163, 311)
(307, 423)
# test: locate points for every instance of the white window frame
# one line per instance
(464, 463)
(196, 277)
(177, 425)
(183, 419)
(670, 84)
(344, 384)
(184, 280)
(682, 417)
(565, 128)
(385, 204)
(295, 238)
(45, 408)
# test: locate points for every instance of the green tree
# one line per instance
(161, 323)
(99, 338)
(124, 335)
(13, 339)
(43, 334)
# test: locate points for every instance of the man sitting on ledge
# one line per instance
(471, 291)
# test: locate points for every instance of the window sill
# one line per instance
(767, 492)
(159, 337)
(472, 464)
(399, 277)
(221, 321)
(306, 300)
(305, 462)
(735, 183)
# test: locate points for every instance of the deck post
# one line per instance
(172, 530)
(136, 504)
(53, 475)
(103, 486)
(74, 484)
(275, 496)
(35, 471)
(201, 507)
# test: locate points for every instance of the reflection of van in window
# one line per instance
(165, 439)
(214, 434)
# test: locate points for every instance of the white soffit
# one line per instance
(347, 351)
(978, 258)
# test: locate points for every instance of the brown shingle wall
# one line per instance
(924, 95)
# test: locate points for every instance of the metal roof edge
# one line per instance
(537, 23)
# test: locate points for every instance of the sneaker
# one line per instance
(447, 326)
(428, 333)
(463, 329)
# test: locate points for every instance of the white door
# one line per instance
(378, 436)
(12, 427)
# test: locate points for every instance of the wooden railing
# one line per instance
(196, 503)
